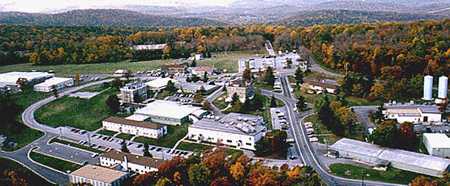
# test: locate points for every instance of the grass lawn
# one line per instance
(107, 132)
(76, 145)
(75, 112)
(174, 134)
(95, 88)
(164, 94)
(193, 146)
(23, 138)
(259, 85)
(29, 176)
(322, 131)
(392, 175)
(222, 60)
(124, 136)
(55, 163)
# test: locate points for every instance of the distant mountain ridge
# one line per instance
(100, 17)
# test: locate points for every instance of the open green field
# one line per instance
(55, 163)
(30, 177)
(124, 136)
(220, 102)
(174, 134)
(76, 145)
(222, 60)
(392, 175)
(75, 112)
(193, 146)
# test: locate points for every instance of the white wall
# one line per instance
(230, 139)
(138, 131)
(140, 169)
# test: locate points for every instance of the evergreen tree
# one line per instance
(146, 152)
(269, 78)
(113, 103)
(125, 147)
(301, 104)
(273, 101)
(299, 77)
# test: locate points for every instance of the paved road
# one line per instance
(316, 67)
(307, 153)
(362, 113)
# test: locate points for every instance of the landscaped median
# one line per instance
(392, 175)
(56, 163)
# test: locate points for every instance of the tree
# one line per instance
(171, 87)
(194, 63)
(55, 91)
(113, 103)
(22, 83)
(146, 152)
(423, 181)
(273, 101)
(301, 104)
(299, 77)
(125, 147)
(198, 97)
(9, 111)
(247, 75)
(269, 78)
(407, 136)
(163, 182)
(385, 134)
(199, 175)
(221, 181)
(205, 77)
(77, 79)
(117, 83)
(237, 171)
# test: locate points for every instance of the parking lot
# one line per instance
(104, 142)
(68, 153)
(182, 98)
(279, 121)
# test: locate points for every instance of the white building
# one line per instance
(233, 129)
(55, 82)
(200, 71)
(437, 144)
(159, 84)
(11, 78)
(194, 87)
(132, 92)
(238, 87)
(129, 162)
(259, 64)
(97, 176)
(121, 73)
(321, 85)
(168, 112)
(150, 47)
(137, 128)
(412, 113)
(405, 160)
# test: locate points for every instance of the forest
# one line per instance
(387, 50)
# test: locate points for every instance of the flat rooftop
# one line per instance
(167, 109)
(160, 82)
(141, 124)
(102, 174)
(411, 108)
(235, 123)
(11, 78)
(437, 140)
(54, 81)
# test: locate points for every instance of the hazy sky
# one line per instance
(48, 5)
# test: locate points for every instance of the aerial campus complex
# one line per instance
(242, 93)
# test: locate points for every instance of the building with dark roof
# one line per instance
(129, 162)
(138, 128)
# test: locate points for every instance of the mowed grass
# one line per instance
(222, 60)
(174, 134)
(195, 147)
(75, 112)
(29, 176)
(55, 163)
(392, 175)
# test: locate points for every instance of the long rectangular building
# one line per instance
(57, 83)
(11, 78)
(405, 160)
(130, 162)
(234, 129)
(168, 112)
(138, 128)
(412, 113)
(97, 176)
(437, 144)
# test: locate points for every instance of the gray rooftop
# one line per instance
(422, 108)
(232, 123)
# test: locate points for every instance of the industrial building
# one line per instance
(133, 92)
(437, 144)
(234, 129)
(321, 86)
(259, 64)
(428, 88)
(5, 88)
(137, 128)
(32, 78)
(412, 113)
(129, 162)
(173, 68)
(159, 83)
(53, 83)
(238, 87)
(374, 155)
(150, 47)
(168, 112)
(97, 176)
(200, 71)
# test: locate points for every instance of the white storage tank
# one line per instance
(428, 88)
(443, 87)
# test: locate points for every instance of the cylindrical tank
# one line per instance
(443, 87)
(428, 88)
